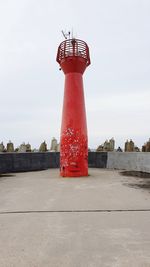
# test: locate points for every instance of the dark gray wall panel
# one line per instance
(97, 159)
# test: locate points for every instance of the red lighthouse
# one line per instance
(73, 57)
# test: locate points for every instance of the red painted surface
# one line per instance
(73, 57)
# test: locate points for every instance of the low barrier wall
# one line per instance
(17, 162)
(97, 159)
(130, 161)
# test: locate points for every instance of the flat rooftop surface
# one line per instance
(95, 221)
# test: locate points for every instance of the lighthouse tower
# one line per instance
(73, 58)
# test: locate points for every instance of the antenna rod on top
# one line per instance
(64, 34)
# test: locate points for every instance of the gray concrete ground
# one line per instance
(100, 220)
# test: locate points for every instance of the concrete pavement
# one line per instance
(100, 220)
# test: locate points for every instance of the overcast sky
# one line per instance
(116, 84)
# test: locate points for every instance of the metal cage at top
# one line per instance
(73, 48)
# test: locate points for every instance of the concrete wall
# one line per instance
(131, 161)
(17, 162)
(97, 159)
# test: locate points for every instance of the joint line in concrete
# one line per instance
(73, 211)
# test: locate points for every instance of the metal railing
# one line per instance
(73, 48)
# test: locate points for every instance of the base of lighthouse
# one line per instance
(73, 154)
